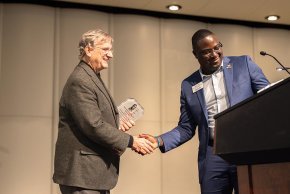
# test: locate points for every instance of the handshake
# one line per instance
(144, 143)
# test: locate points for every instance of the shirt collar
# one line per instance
(203, 76)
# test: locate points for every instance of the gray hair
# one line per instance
(92, 38)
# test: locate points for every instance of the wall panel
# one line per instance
(136, 62)
(179, 167)
(136, 73)
(38, 51)
(26, 90)
(1, 35)
(25, 155)
(236, 40)
(275, 42)
(140, 174)
(178, 62)
(26, 65)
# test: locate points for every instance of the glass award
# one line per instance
(130, 109)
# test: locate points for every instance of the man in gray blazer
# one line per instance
(90, 141)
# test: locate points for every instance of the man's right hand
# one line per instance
(142, 146)
(152, 139)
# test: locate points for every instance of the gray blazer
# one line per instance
(89, 144)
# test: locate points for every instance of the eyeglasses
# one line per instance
(106, 50)
(208, 52)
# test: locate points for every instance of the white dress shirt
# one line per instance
(216, 96)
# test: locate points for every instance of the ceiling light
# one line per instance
(174, 7)
(272, 17)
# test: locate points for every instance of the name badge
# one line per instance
(197, 87)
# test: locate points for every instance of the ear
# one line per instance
(88, 51)
(194, 53)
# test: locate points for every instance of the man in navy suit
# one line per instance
(220, 83)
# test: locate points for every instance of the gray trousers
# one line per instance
(77, 190)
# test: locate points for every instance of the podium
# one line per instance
(255, 135)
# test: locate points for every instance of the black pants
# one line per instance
(77, 190)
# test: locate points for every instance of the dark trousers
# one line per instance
(77, 190)
(220, 177)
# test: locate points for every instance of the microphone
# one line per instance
(263, 53)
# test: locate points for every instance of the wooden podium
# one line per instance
(255, 135)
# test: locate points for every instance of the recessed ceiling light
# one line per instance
(272, 17)
(173, 7)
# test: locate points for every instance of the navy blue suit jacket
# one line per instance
(243, 78)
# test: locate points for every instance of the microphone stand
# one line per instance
(284, 68)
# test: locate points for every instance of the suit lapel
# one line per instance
(200, 94)
(100, 84)
(228, 74)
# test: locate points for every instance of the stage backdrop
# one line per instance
(38, 50)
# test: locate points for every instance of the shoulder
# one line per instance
(239, 61)
(193, 77)
(236, 58)
(191, 80)
(81, 73)
(79, 80)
